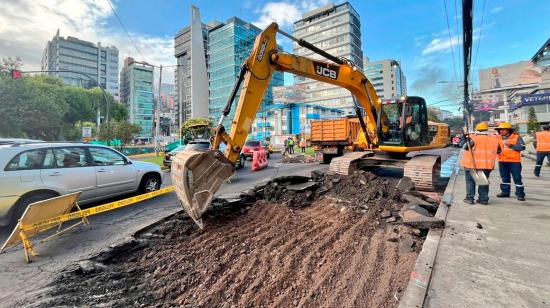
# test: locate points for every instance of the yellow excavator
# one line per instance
(392, 128)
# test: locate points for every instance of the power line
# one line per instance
(450, 39)
(480, 32)
(123, 27)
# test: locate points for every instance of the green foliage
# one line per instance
(43, 107)
(455, 124)
(8, 64)
(532, 121)
(196, 128)
(123, 131)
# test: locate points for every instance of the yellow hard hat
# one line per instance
(482, 126)
(504, 125)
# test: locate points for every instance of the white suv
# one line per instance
(32, 172)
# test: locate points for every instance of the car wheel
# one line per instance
(23, 203)
(149, 183)
(240, 162)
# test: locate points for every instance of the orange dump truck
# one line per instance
(330, 138)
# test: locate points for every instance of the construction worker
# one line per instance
(542, 145)
(303, 144)
(484, 150)
(291, 145)
(509, 160)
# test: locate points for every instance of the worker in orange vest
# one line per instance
(542, 145)
(484, 150)
(303, 144)
(509, 160)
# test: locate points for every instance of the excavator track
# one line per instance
(347, 163)
(423, 170)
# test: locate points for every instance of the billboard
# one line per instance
(289, 94)
(509, 75)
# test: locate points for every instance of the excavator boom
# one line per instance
(198, 175)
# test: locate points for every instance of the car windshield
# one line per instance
(197, 146)
(179, 149)
(252, 143)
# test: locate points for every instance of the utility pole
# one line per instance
(467, 25)
(157, 127)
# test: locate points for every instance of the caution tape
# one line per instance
(96, 209)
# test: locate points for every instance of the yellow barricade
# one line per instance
(43, 215)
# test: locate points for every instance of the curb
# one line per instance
(417, 287)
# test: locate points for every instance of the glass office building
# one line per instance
(136, 84)
(335, 29)
(98, 62)
(387, 78)
(229, 44)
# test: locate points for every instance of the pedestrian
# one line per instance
(480, 153)
(542, 145)
(286, 147)
(303, 144)
(509, 160)
(291, 145)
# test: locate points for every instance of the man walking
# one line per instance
(542, 145)
(480, 153)
(286, 147)
(509, 161)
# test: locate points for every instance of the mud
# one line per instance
(290, 243)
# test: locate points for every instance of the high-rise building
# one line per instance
(387, 77)
(229, 44)
(98, 62)
(337, 30)
(190, 45)
(136, 92)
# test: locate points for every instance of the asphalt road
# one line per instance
(19, 279)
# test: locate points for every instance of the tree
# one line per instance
(532, 121)
(455, 124)
(9, 64)
(123, 131)
(195, 128)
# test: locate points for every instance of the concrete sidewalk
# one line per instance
(502, 262)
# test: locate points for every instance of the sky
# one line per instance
(417, 33)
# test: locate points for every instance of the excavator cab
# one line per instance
(403, 122)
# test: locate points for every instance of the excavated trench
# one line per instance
(326, 241)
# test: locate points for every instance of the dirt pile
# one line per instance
(297, 158)
(296, 241)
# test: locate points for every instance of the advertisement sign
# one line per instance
(289, 94)
(535, 99)
(519, 73)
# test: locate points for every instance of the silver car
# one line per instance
(31, 172)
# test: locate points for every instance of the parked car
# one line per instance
(198, 144)
(253, 145)
(31, 172)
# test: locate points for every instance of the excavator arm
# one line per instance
(198, 175)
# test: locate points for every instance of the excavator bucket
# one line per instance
(197, 176)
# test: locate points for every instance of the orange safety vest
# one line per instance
(303, 143)
(485, 153)
(507, 154)
(543, 141)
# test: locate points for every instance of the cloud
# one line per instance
(26, 26)
(496, 9)
(441, 44)
(285, 13)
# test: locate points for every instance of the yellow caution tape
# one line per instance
(96, 209)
